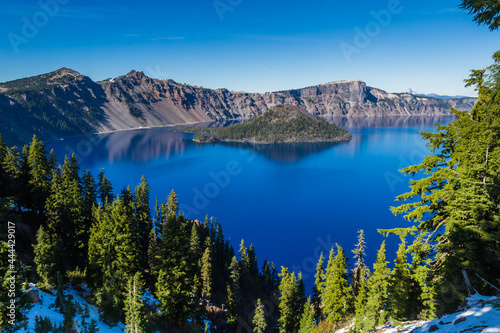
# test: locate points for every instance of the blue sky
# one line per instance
(249, 45)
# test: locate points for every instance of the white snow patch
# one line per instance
(45, 308)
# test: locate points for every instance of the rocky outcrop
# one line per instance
(66, 102)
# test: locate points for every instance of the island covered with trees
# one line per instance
(282, 123)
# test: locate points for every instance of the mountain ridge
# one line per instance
(65, 102)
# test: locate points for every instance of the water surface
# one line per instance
(292, 201)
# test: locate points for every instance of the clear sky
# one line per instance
(249, 45)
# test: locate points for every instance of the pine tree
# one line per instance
(399, 286)
(134, 306)
(378, 285)
(172, 203)
(455, 203)
(232, 308)
(337, 293)
(46, 251)
(259, 319)
(174, 281)
(142, 221)
(234, 275)
(318, 289)
(105, 190)
(424, 300)
(288, 302)
(485, 12)
(307, 319)
(206, 272)
(360, 272)
(38, 174)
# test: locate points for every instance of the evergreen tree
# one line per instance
(134, 306)
(174, 281)
(234, 275)
(307, 320)
(360, 303)
(206, 272)
(259, 319)
(46, 252)
(360, 272)
(142, 222)
(172, 204)
(376, 306)
(337, 293)
(38, 174)
(399, 286)
(456, 203)
(195, 243)
(485, 12)
(232, 308)
(318, 289)
(105, 190)
(288, 303)
(420, 271)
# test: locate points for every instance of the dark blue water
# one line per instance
(292, 201)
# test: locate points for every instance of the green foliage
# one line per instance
(376, 306)
(455, 200)
(282, 123)
(174, 280)
(400, 284)
(337, 294)
(485, 12)
(259, 319)
(206, 272)
(291, 301)
(318, 289)
(46, 252)
(134, 306)
(307, 320)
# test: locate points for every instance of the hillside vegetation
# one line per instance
(283, 123)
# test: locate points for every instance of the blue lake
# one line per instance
(292, 201)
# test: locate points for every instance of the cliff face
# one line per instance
(65, 103)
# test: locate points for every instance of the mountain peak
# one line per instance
(136, 74)
(63, 71)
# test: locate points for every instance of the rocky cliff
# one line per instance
(65, 102)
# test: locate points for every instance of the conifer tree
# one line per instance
(307, 319)
(206, 272)
(376, 306)
(172, 204)
(420, 272)
(46, 251)
(105, 190)
(232, 308)
(318, 289)
(259, 319)
(174, 281)
(234, 275)
(38, 174)
(134, 306)
(399, 286)
(456, 202)
(288, 302)
(337, 293)
(142, 222)
(360, 272)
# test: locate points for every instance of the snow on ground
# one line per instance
(481, 314)
(45, 308)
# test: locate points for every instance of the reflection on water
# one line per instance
(144, 145)
(147, 144)
(285, 152)
(410, 121)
